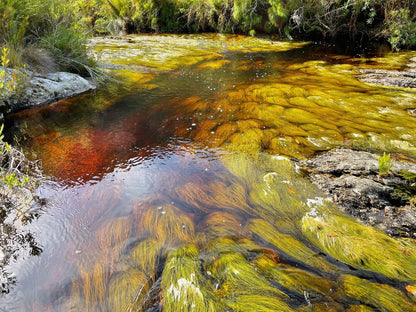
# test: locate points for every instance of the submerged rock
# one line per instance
(351, 178)
(391, 78)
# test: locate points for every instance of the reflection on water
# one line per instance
(176, 191)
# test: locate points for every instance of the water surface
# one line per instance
(177, 188)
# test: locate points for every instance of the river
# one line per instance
(176, 187)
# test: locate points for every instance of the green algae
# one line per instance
(184, 288)
(381, 296)
(168, 52)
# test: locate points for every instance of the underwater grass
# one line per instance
(295, 279)
(113, 236)
(235, 276)
(167, 224)
(145, 256)
(258, 303)
(289, 245)
(183, 286)
(215, 195)
(239, 283)
(125, 288)
(360, 246)
(222, 224)
(381, 296)
(94, 286)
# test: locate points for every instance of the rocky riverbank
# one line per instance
(351, 178)
(36, 90)
(19, 206)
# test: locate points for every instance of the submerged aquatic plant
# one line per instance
(215, 195)
(126, 289)
(145, 256)
(229, 267)
(384, 297)
(295, 279)
(289, 245)
(167, 224)
(184, 288)
(360, 246)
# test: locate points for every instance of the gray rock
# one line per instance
(350, 178)
(389, 78)
(41, 90)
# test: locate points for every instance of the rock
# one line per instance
(389, 78)
(41, 90)
(351, 179)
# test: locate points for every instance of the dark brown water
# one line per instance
(175, 189)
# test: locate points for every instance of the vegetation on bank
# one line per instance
(391, 20)
(50, 35)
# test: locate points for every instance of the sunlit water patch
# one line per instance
(178, 190)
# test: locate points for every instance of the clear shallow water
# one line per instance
(176, 189)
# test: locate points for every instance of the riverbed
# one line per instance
(177, 188)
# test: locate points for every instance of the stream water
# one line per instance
(177, 189)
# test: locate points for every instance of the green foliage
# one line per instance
(12, 180)
(401, 29)
(385, 164)
(57, 27)
(7, 84)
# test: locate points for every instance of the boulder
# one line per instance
(41, 90)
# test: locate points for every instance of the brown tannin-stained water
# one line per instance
(178, 190)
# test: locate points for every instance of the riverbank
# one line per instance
(352, 180)
(19, 206)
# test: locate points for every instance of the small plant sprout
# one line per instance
(384, 164)
(12, 180)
